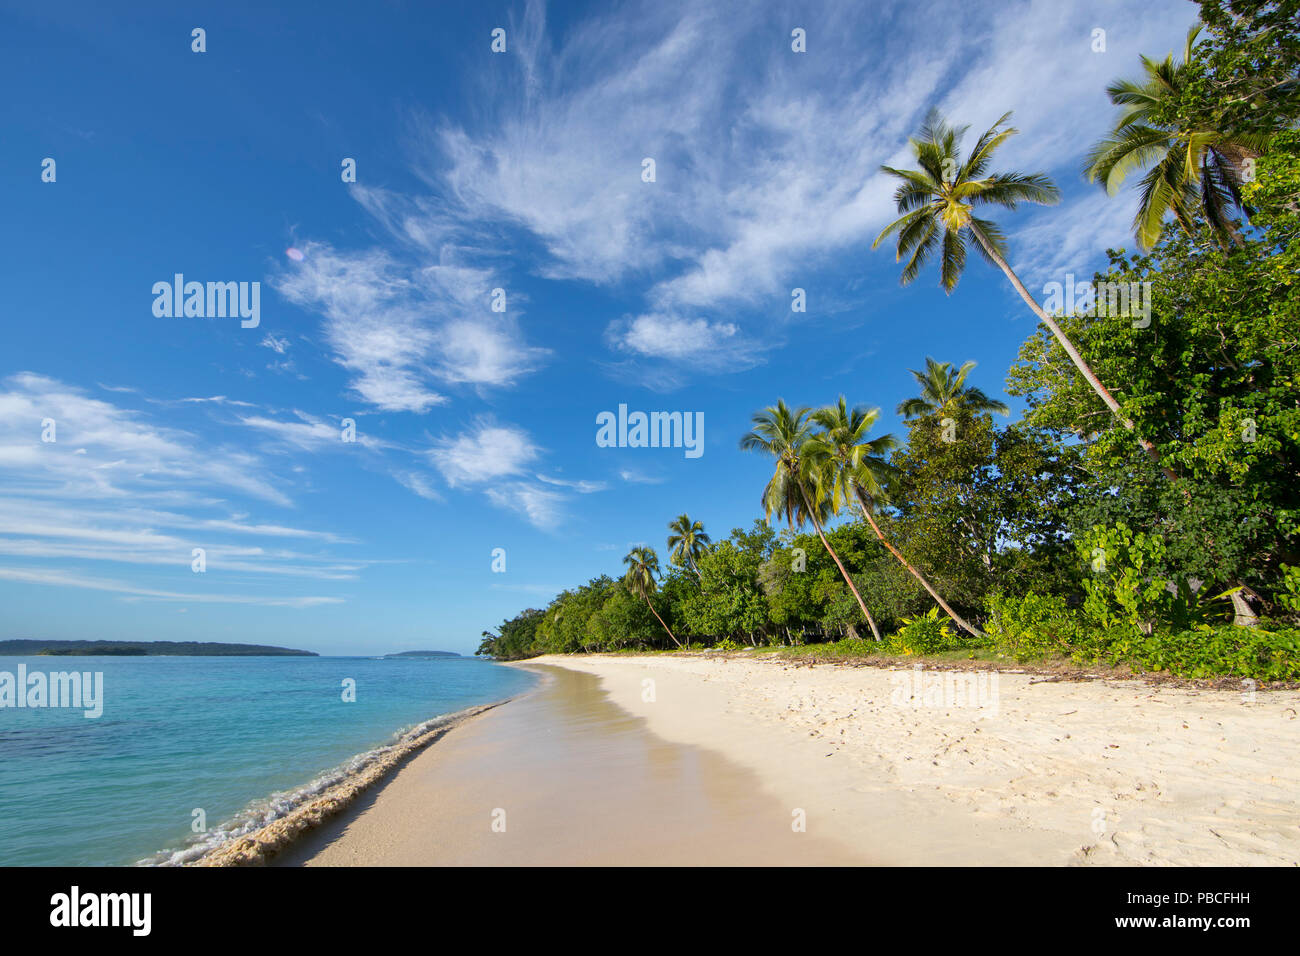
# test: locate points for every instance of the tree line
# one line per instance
(1144, 507)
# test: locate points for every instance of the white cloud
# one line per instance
(692, 342)
(418, 484)
(116, 487)
(65, 579)
(276, 343)
(102, 450)
(485, 453)
(372, 322)
(309, 433)
(767, 162)
(581, 486)
(398, 327)
(639, 478)
(544, 509)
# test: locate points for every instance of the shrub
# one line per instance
(1210, 651)
(1288, 595)
(1031, 626)
(726, 644)
(855, 647)
(927, 634)
(1124, 590)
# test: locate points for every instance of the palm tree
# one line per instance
(945, 391)
(853, 466)
(1188, 166)
(642, 566)
(793, 491)
(687, 543)
(938, 201)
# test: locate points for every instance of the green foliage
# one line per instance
(972, 500)
(1246, 66)
(1209, 651)
(1056, 533)
(1124, 589)
(1288, 596)
(1031, 625)
(926, 634)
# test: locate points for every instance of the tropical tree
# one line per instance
(1190, 164)
(642, 566)
(938, 201)
(687, 542)
(944, 391)
(853, 467)
(793, 491)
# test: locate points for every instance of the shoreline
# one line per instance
(705, 760)
(566, 777)
(1103, 771)
(261, 844)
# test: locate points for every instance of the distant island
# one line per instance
(422, 654)
(145, 649)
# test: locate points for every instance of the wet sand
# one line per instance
(576, 780)
(1037, 771)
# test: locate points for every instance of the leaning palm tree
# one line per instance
(642, 566)
(793, 491)
(687, 543)
(944, 391)
(1187, 166)
(853, 466)
(938, 201)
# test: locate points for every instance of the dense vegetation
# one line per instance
(1145, 508)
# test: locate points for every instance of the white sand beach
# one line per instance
(1051, 772)
(697, 759)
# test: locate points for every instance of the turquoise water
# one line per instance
(244, 739)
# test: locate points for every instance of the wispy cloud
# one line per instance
(543, 508)
(102, 450)
(66, 579)
(311, 433)
(405, 328)
(496, 459)
(89, 481)
(486, 452)
(581, 486)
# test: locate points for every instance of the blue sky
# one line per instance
(476, 171)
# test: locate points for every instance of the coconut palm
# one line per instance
(642, 566)
(938, 201)
(687, 543)
(1186, 167)
(794, 491)
(944, 391)
(853, 467)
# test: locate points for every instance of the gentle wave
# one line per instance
(262, 812)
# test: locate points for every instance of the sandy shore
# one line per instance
(1044, 772)
(563, 776)
(704, 759)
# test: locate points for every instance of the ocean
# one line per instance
(228, 743)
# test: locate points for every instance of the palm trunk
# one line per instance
(866, 513)
(840, 564)
(1243, 614)
(1088, 374)
(661, 621)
